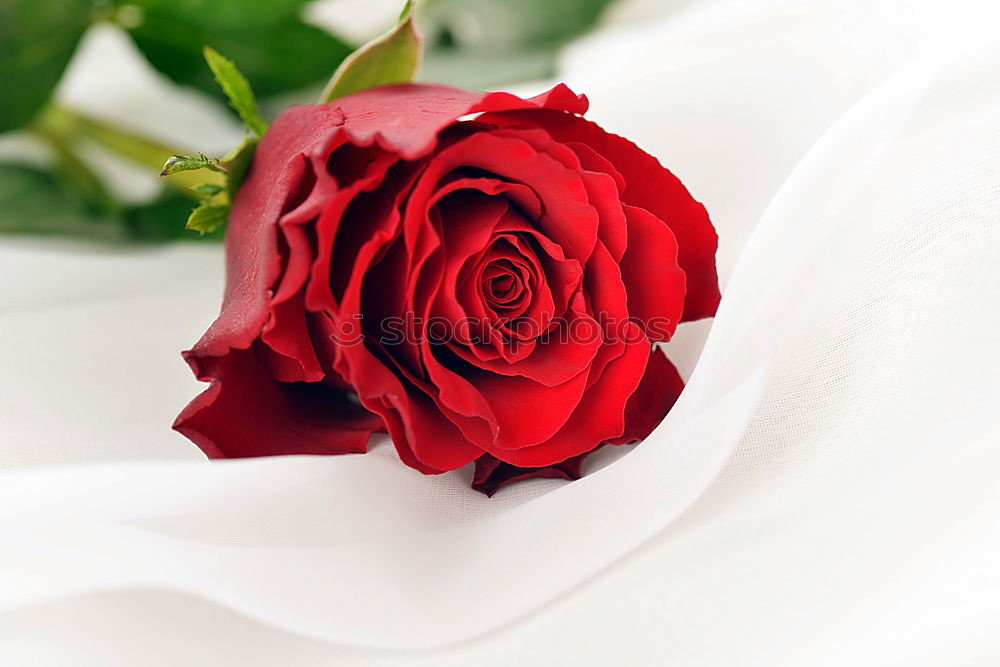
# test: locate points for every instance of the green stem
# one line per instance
(64, 125)
(78, 176)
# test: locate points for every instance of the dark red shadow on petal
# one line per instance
(656, 394)
(492, 474)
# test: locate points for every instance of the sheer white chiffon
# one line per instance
(825, 491)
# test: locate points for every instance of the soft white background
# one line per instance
(825, 493)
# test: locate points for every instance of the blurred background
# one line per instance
(97, 93)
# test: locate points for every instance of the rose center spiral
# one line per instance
(504, 286)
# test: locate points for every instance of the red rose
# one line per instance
(483, 287)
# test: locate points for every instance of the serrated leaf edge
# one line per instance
(237, 89)
(219, 211)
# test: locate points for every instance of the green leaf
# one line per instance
(273, 47)
(392, 58)
(208, 217)
(160, 220)
(76, 175)
(237, 162)
(208, 189)
(228, 14)
(178, 163)
(37, 39)
(237, 89)
(33, 202)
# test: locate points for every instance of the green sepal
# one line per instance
(208, 189)
(237, 161)
(391, 58)
(237, 89)
(37, 41)
(208, 217)
(178, 163)
(212, 214)
(214, 210)
(275, 49)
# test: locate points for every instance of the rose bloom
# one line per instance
(480, 275)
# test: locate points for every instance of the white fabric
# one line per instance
(825, 491)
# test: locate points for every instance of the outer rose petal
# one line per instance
(246, 413)
(656, 394)
(493, 474)
(655, 284)
(289, 349)
(649, 185)
(425, 436)
(406, 119)
(253, 262)
(593, 421)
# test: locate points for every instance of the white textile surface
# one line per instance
(825, 492)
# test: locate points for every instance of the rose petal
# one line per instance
(538, 311)
(608, 303)
(512, 398)
(253, 261)
(406, 119)
(423, 436)
(599, 416)
(659, 389)
(651, 186)
(566, 217)
(492, 474)
(246, 413)
(602, 188)
(558, 356)
(467, 220)
(655, 284)
(328, 278)
(591, 160)
(288, 345)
